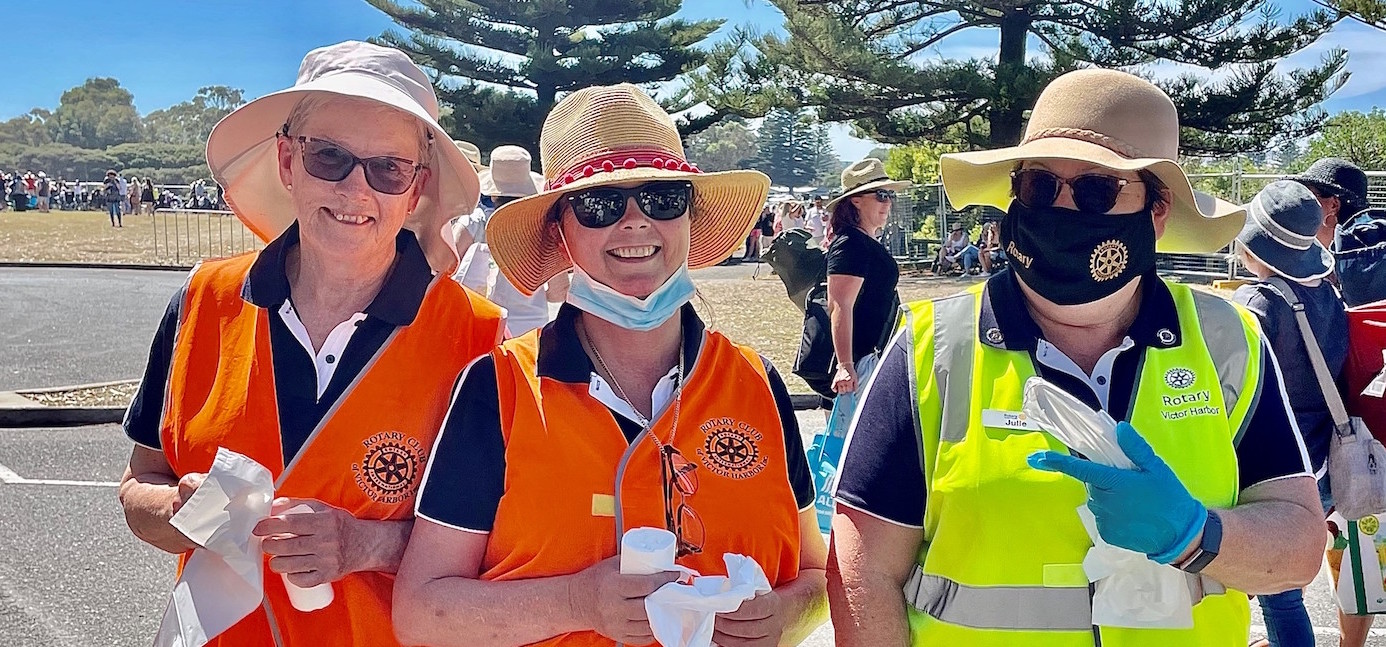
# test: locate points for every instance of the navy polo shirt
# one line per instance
(881, 473)
(295, 375)
(465, 479)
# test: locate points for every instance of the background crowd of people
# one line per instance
(30, 190)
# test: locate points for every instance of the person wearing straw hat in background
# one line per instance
(624, 412)
(1278, 246)
(949, 495)
(326, 356)
(507, 179)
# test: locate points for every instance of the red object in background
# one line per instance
(1367, 340)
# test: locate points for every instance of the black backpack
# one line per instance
(799, 264)
(815, 363)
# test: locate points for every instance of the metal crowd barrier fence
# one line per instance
(186, 236)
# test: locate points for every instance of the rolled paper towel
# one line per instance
(311, 598)
(646, 551)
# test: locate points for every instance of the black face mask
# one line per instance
(1071, 257)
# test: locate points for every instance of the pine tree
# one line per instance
(500, 65)
(871, 63)
(789, 148)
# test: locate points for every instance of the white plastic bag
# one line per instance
(682, 615)
(223, 580)
(1132, 591)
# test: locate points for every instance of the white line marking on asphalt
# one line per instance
(11, 477)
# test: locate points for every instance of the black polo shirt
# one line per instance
(881, 472)
(295, 375)
(465, 479)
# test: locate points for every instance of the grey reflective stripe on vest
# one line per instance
(955, 337)
(1225, 337)
(1000, 607)
(1032, 608)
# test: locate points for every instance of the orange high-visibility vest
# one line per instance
(367, 456)
(573, 485)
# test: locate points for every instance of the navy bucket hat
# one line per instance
(1280, 226)
(1338, 177)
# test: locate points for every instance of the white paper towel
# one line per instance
(1132, 591)
(222, 581)
(683, 615)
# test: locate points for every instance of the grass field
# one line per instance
(88, 237)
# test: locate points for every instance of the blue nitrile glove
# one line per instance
(1145, 509)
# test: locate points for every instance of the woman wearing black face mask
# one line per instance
(949, 494)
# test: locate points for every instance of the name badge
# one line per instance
(1008, 420)
(603, 505)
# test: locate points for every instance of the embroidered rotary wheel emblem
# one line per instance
(390, 467)
(1108, 260)
(731, 450)
(1179, 378)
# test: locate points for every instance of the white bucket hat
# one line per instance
(243, 154)
(509, 175)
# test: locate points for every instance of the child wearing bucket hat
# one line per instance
(1278, 245)
(326, 357)
(625, 412)
(957, 510)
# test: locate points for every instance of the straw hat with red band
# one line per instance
(1110, 119)
(614, 135)
(243, 154)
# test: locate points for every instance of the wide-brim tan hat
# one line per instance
(608, 135)
(864, 176)
(243, 154)
(472, 152)
(509, 175)
(1110, 119)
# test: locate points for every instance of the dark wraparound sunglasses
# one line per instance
(1093, 193)
(605, 206)
(328, 161)
(884, 195)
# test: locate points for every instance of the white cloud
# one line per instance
(1366, 48)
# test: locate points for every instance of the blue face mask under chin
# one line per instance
(591, 296)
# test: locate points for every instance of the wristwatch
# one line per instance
(1207, 549)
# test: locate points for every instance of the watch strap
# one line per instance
(1208, 547)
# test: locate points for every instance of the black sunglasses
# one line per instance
(328, 161)
(1093, 193)
(605, 206)
(884, 195)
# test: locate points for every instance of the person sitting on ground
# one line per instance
(991, 256)
(329, 355)
(957, 251)
(1278, 242)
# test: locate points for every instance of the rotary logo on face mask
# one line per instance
(1108, 261)
(1179, 378)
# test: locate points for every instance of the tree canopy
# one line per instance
(96, 114)
(500, 65)
(191, 122)
(876, 64)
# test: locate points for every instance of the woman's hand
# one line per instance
(759, 622)
(845, 381)
(613, 604)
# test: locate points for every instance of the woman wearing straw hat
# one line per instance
(625, 412)
(949, 494)
(506, 180)
(326, 356)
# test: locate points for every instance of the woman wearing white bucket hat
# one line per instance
(509, 178)
(951, 495)
(326, 356)
(623, 413)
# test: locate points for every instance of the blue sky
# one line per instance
(164, 50)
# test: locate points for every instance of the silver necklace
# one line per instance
(645, 422)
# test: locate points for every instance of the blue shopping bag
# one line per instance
(824, 456)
